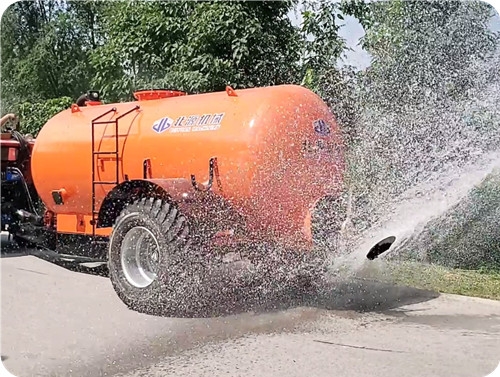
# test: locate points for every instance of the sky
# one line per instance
(352, 31)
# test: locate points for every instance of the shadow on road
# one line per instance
(366, 296)
(348, 295)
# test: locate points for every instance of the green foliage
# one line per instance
(64, 48)
(195, 46)
(476, 283)
(45, 52)
(423, 51)
(33, 115)
(467, 235)
(323, 47)
(360, 9)
(320, 28)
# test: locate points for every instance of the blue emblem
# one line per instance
(321, 127)
(163, 124)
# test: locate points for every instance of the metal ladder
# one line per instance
(114, 153)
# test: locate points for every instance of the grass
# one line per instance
(483, 284)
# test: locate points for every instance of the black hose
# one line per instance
(82, 99)
(31, 204)
(24, 151)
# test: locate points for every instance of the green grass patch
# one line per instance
(480, 283)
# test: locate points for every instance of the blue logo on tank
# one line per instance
(321, 127)
(162, 125)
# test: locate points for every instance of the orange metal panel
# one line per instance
(78, 224)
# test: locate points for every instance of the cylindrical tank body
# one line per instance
(278, 150)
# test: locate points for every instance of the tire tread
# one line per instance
(175, 227)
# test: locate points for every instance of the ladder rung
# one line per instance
(105, 152)
(105, 182)
(95, 213)
(113, 136)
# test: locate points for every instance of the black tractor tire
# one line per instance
(171, 230)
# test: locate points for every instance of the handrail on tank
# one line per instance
(106, 113)
(213, 168)
(117, 119)
(128, 112)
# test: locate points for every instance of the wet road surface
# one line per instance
(55, 322)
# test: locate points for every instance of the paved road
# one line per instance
(61, 323)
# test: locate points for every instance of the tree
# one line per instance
(63, 48)
(195, 46)
(322, 51)
(45, 52)
(34, 115)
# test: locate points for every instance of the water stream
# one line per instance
(423, 164)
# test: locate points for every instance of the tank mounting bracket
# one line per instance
(213, 170)
(231, 92)
(147, 169)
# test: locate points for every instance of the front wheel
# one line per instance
(147, 250)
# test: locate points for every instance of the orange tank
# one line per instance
(278, 151)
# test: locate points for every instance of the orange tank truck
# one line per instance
(267, 141)
(146, 182)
